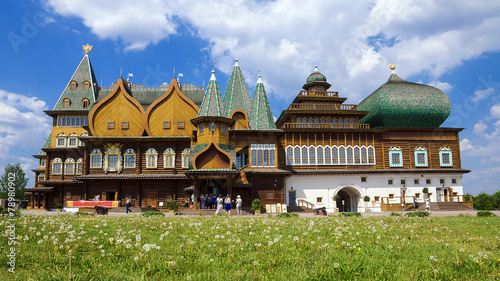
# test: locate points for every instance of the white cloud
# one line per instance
(481, 94)
(352, 42)
(23, 124)
(465, 145)
(486, 180)
(136, 23)
(480, 127)
(444, 86)
(495, 111)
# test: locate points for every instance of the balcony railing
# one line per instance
(322, 106)
(319, 93)
(324, 126)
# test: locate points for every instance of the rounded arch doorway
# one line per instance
(349, 199)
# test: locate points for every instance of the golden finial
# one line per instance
(87, 48)
(392, 66)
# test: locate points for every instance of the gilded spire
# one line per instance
(87, 48)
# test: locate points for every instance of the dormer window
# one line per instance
(202, 129)
(86, 85)
(111, 125)
(166, 124)
(66, 103)
(180, 125)
(72, 85)
(125, 125)
(85, 103)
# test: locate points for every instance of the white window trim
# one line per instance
(295, 161)
(395, 150)
(271, 148)
(445, 150)
(154, 153)
(61, 138)
(169, 152)
(95, 152)
(185, 161)
(418, 150)
(129, 152)
(57, 161)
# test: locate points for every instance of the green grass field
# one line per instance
(68, 247)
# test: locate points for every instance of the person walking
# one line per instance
(428, 206)
(127, 205)
(220, 205)
(228, 204)
(415, 204)
(238, 205)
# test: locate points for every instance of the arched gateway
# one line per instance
(349, 198)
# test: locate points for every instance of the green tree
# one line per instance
(496, 199)
(20, 181)
(483, 201)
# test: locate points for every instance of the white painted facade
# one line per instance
(320, 189)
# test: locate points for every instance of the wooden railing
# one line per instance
(304, 203)
(322, 106)
(458, 198)
(319, 93)
(324, 126)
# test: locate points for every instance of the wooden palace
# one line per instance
(155, 144)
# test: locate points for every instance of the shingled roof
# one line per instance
(212, 104)
(83, 72)
(261, 117)
(237, 96)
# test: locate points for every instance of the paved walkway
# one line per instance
(447, 213)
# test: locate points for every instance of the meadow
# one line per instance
(69, 247)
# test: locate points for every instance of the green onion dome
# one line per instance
(399, 103)
(316, 79)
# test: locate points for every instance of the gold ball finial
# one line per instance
(392, 66)
(87, 48)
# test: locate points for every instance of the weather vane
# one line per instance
(87, 48)
(213, 63)
(392, 66)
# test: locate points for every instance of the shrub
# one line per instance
(485, 214)
(350, 214)
(483, 201)
(152, 213)
(83, 214)
(287, 215)
(172, 205)
(467, 197)
(393, 214)
(367, 198)
(336, 197)
(1, 208)
(256, 204)
(425, 190)
(464, 215)
(420, 214)
(59, 206)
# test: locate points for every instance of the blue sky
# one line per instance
(453, 45)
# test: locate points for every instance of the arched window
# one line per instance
(151, 158)
(223, 128)
(66, 103)
(202, 129)
(85, 103)
(185, 158)
(312, 155)
(296, 155)
(77, 122)
(289, 155)
(364, 156)
(72, 85)
(350, 157)
(311, 120)
(64, 122)
(445, 157)
(59, 121)
(169, 158)
(213, 128)
(73, 122)
(357, 158)
(316, 123)
(79, 166)
(69, 166)
(342, 155)
(305, 156)
(86, 85)
(320, 156)
(371, 155)
(328, 156)
(57, 166)
(96, 158)
(129, 159)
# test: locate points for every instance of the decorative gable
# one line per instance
(170, 114)
(119, 114)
